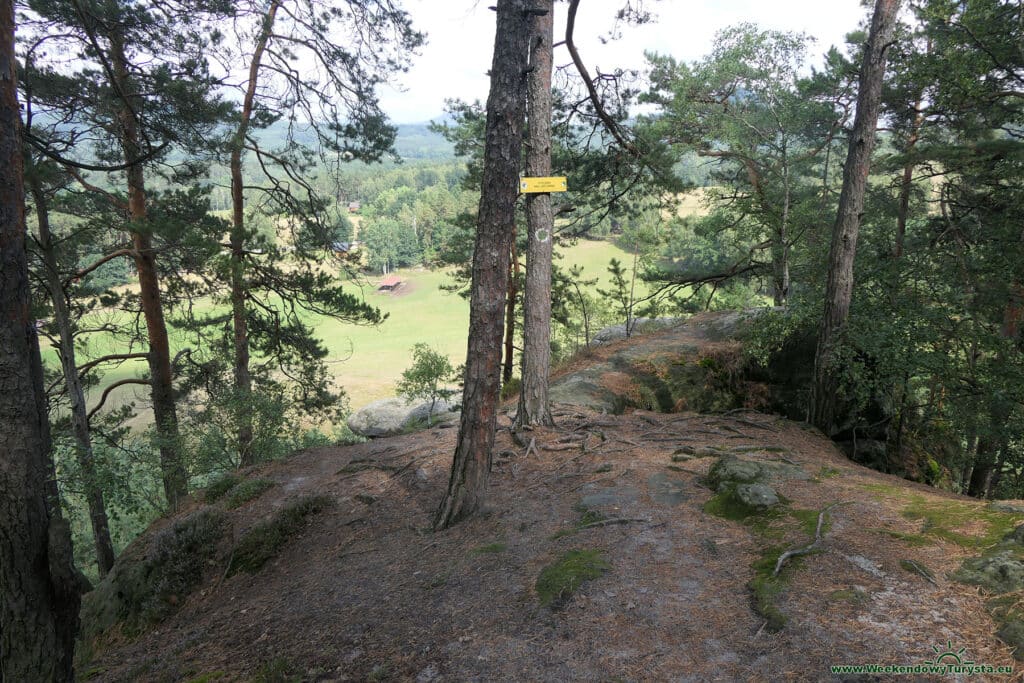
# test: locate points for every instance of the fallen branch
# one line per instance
(614, 520)
(796, 552)
(919, 569)
(560, 447)
(757, 425)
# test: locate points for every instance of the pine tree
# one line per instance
(39, 589)
(496, 230)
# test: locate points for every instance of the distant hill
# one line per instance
(415, 141)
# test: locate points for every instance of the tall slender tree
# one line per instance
(534, 408)
(471, 465)
(298, 69)
(39, 593)
(839, 287)
(62, 318)
(139, 87)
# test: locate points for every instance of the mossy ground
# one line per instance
(587, 516)
(559, 580)
(854, 596)
(945, 518)
(266, 539)
(278, 670)
(766, 589)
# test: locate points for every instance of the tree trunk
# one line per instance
(907, 182)
(534, 408)
(239, 289)
(839, 287)
(69, 366)
(780, 250)
(495, 231)
(165, 414)
(984, 465)
(510, 315)
(39, 598)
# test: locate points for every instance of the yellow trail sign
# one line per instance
(552, 184)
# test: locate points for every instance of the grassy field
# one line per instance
(367, 361)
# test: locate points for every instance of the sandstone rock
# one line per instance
(390, 416)
(639, 326)
(1000, 572)
(730, 471)
(758, 496)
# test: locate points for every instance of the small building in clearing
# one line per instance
(389, 284)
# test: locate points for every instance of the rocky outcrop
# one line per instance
(638, 326)
(391, 416)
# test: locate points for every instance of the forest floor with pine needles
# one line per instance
(602, 554)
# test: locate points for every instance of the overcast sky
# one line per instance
(460, 39)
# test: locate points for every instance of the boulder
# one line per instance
(758, 496)
(1015, 537)
(1000, 572)
(730, 471)
(639, 326)
(391, 416)
(1014, 508)
(584, 389)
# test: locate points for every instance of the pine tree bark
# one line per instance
(165, 415)
(239, 317)
(508, 367)
(839, 287)
(495, 231)
(69, 366)
(39, 596)
(534, 407)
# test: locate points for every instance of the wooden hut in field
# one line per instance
(389, 284)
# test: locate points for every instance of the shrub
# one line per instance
(245, 491)
(265, 540)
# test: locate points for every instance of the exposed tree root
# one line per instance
(796, 552)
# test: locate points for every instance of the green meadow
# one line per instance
(368, 360)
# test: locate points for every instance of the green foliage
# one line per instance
(220, 487)
(278, 670)
(763, 125)
(391, 244)
(152, 583)
(246, 490)
(265, 540)
(211, 428)
(559, 580)
(511, 388)
(425, 379)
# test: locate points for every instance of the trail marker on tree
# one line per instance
(549, 184)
